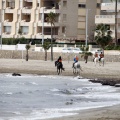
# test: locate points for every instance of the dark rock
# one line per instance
(16, 74)
(109, 82)
(117, 85)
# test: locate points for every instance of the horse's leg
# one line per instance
(61, 70)
(74, 71)
(79, 72)
(58, 71)
(103, 61)
(95, 61)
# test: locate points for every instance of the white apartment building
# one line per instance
(70, 25)
(108, 16)
(27, 16)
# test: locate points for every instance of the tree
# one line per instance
(103, 35)
(85, 53)
(27, 48)
(20, 31)
(46, 46)
(51, 18)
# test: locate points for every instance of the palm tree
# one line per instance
(116, 41)
(51, 18)
(27, 48)
(85, 53)
(20, 31)
(103, 35)
(46, 46)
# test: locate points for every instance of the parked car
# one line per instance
(66, 50)
(98, 51)
(76, 50)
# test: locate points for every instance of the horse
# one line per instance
(59, 67)
(96, 59)
(76, 68)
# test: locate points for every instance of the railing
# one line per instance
(105, 16)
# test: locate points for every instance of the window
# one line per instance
(64, 3)
(8, 29)
(11, 4)
(63, 29)
(98, 5)
(81, 18)
(64, 17)
(81, 31)
(25, 29)
(82, 6)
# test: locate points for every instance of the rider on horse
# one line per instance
(95, 56)
(75, 60)
(101, 56)
(60, 61)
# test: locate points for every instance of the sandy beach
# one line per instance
(111, 71)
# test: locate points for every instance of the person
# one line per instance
(60, 61)
(75, 60)
(101, 56)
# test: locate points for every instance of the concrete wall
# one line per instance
(13, 54)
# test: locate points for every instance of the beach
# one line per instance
(110, 71)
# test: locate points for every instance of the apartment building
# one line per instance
(29, 16)
(108, 16)
(87, 9)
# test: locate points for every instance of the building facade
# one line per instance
(87, 9)
(28, 18)
(108, 16)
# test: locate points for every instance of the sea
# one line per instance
(33, 97)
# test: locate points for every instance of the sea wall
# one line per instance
(18, 54)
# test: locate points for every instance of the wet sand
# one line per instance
(110, 71)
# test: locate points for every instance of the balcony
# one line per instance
(109, 6)
(105, 19)
(39, 36)
(9, 10)
(7, 35)
(26, 11)
(7, 23)
(24, 23)
(49, 9)
(46, 24)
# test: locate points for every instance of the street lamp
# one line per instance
(43, 26)
(1, 22)
(86, 42)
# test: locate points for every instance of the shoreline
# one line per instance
(101, 113)
(111, 71)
